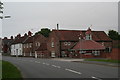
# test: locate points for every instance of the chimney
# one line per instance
(5, 37)
(57, 26)
(25, 34)
(11, 37)
(18, 36)
(29, 33)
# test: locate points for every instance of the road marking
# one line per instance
(58, 66)
(96, 78)
(47, 64)
(44, 63)
(54, 65)
(37, 61)
(73, 71)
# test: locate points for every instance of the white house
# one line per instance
(17, 45)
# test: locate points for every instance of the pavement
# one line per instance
(88, 62)
(61, 68)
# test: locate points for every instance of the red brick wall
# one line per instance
(27, 50)
(56, 48)
(43, 54)
(38, 38)
(115, 54)
(107, 44)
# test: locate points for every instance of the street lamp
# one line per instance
(80, 39)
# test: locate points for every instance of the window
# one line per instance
(69, 43)
(96, 53)
(38, 43)
(20, 51)
(20, 45)
(30, 45)
(108, 49)
(52, 44)
(82, 52)
(65, 43)
(53, 54)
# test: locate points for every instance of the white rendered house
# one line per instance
(17, 46)
(17, 49)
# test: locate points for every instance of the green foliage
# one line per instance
(44, 31)
(114, 35)
(10, 71)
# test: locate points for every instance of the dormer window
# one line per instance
(65, 43)
(69, 43)
(88, 34)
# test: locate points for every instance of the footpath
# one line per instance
(88, 62)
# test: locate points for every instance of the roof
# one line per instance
(88, 45)
(20, 39)
(42, 47)
(73, 35)
(28, 40)
(7, 41)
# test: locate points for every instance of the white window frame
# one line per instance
(69, 43)
(30, 44)
(52, 44)
(38, 43)
(65, 43)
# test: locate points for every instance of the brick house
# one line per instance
(42, 51)
(6, 45)
(32, 43)
(61, 41)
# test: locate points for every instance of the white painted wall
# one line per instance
(17, 49)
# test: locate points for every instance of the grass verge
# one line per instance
(10, 71)
(104, 60)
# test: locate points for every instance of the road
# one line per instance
(50, 68)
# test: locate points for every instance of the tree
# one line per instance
(44, 31)
(114, 35)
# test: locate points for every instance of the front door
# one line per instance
(53, 54)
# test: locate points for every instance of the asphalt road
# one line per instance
(49, 68)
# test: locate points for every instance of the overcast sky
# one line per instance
(33, 16)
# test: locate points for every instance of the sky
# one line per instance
(25, 16)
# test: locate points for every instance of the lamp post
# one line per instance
(80, 38)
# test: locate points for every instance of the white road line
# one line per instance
(47, 64)
(37, 61)
(73, 71)
(54, 65)
(58, 66)
(44, 63)
(96, 78)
